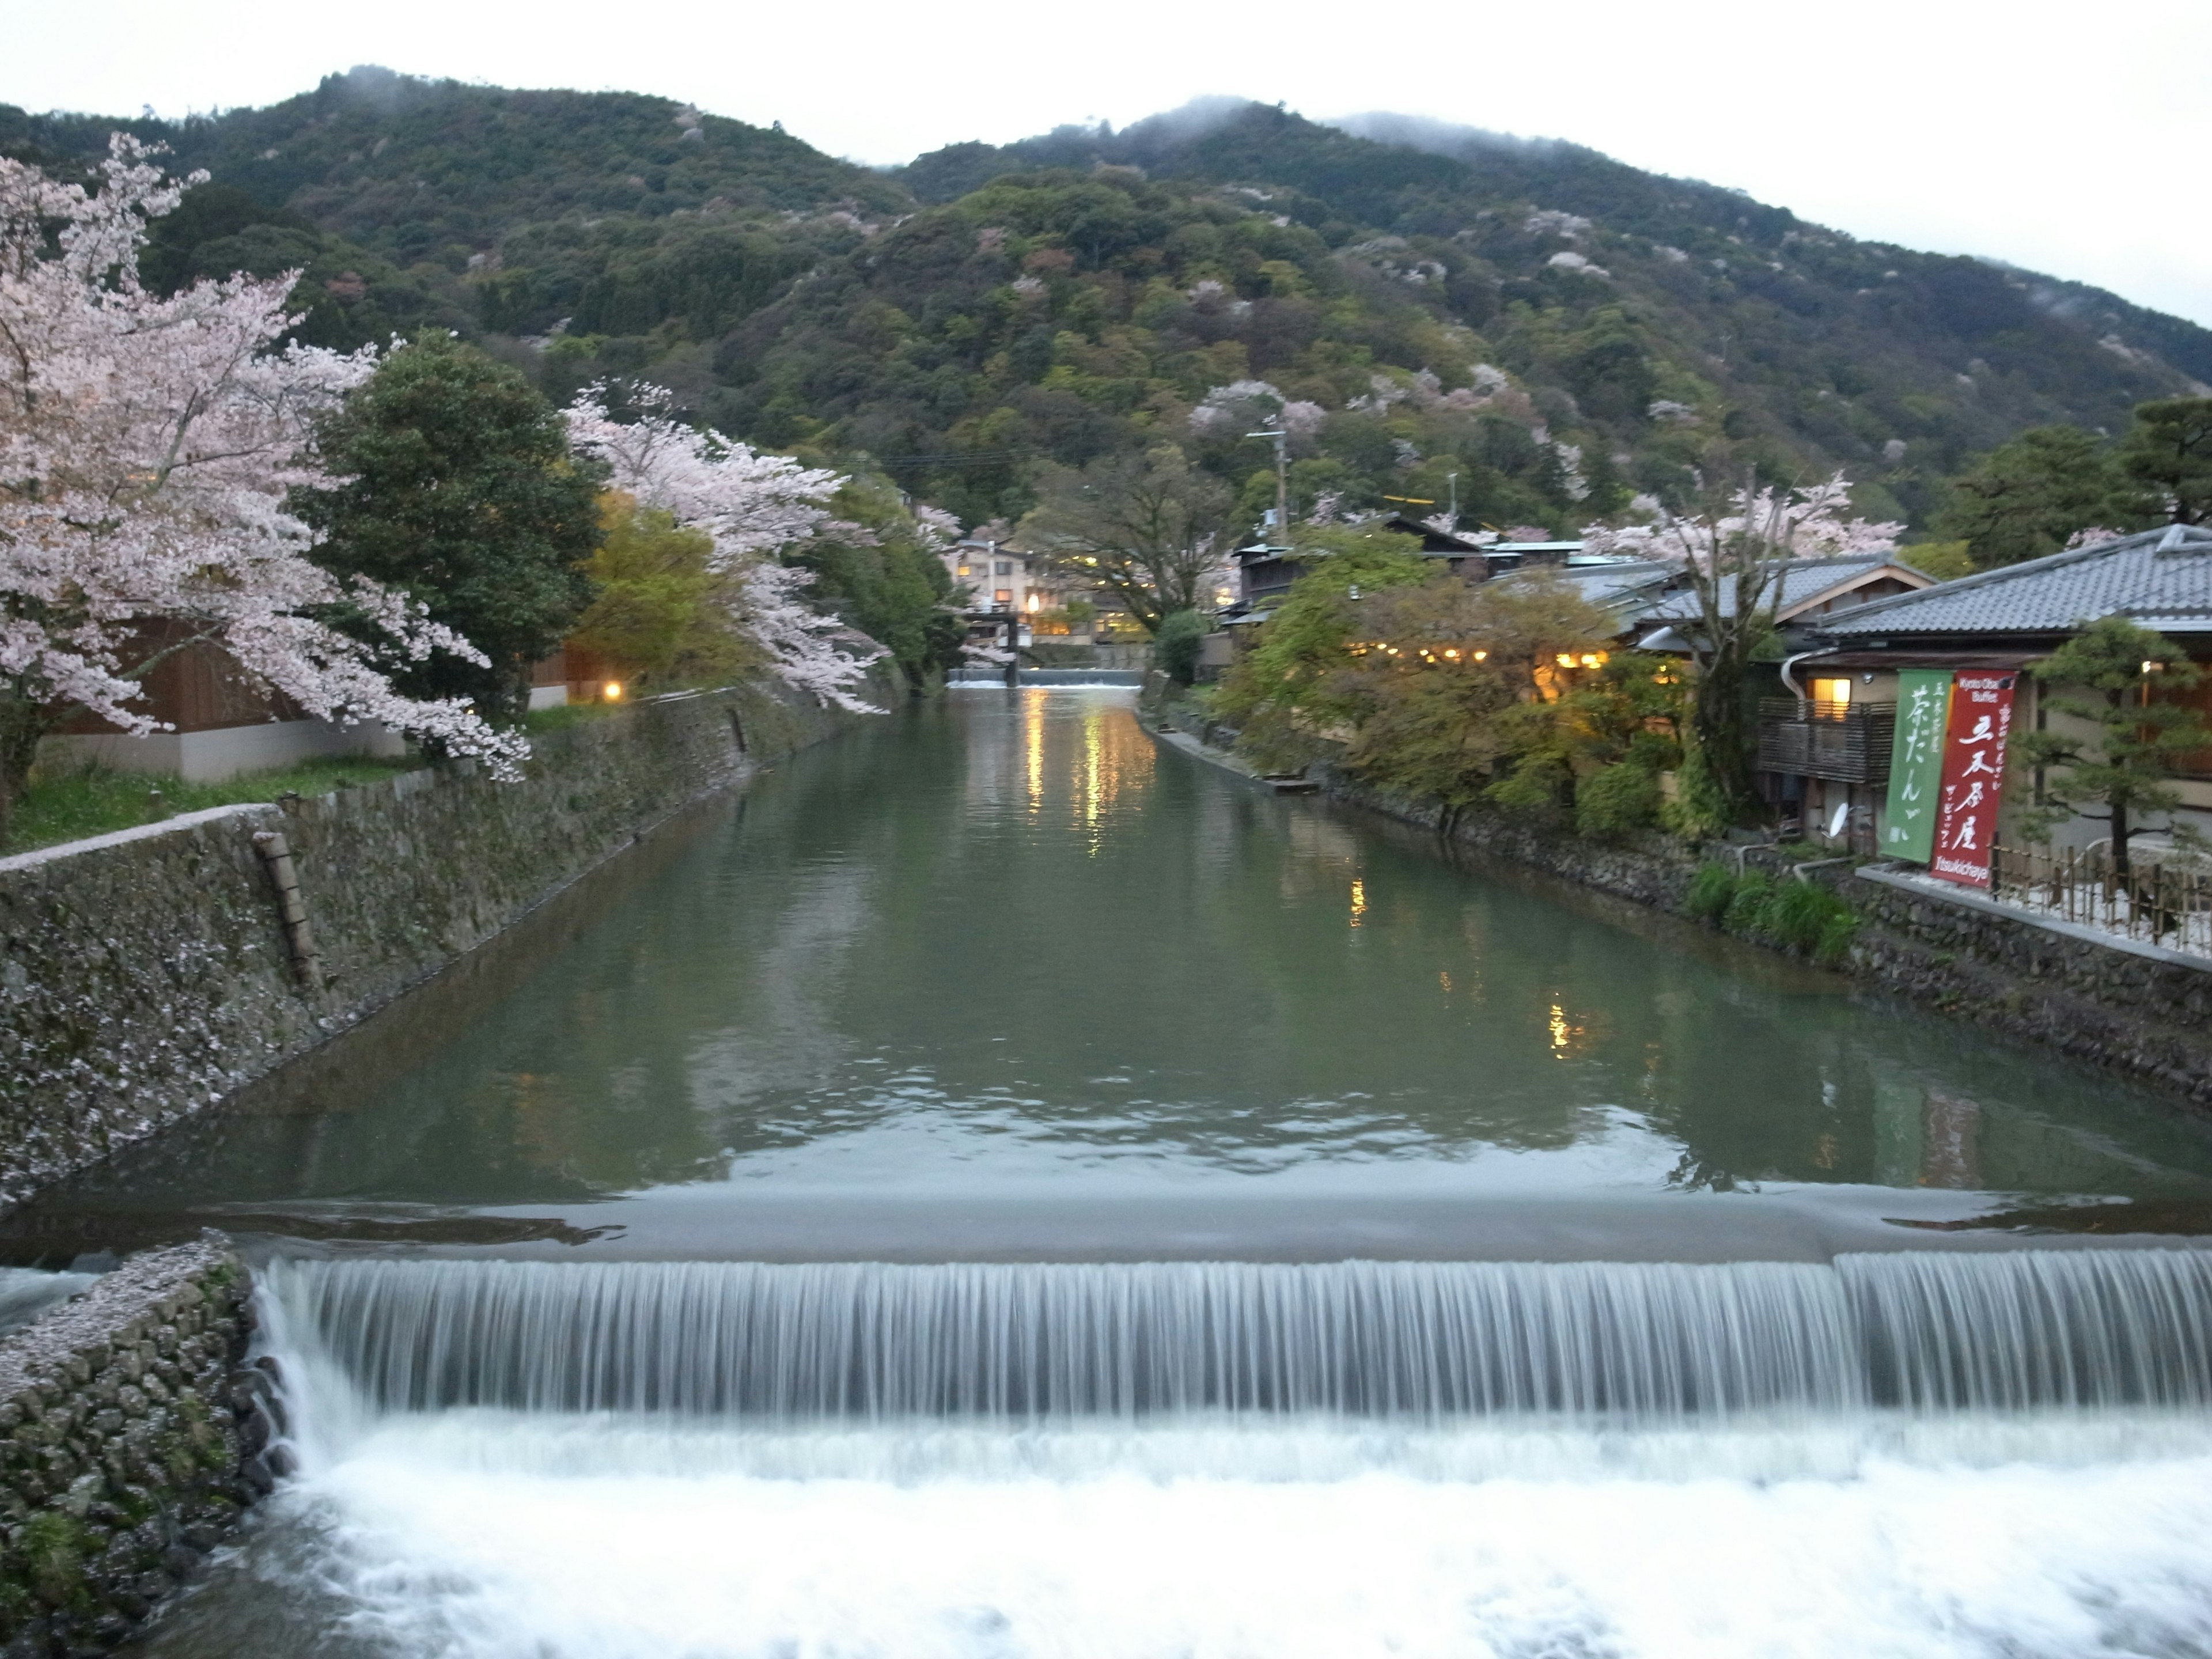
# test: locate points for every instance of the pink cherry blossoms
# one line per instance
(752, 506)
(1780, 524)
(147, 445)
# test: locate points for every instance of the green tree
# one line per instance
(893, 588)
(2168, 455)
(2116, 678)
(1308, 637)
(460, 490)
(661, 615)
(1149, 527)
(1945, 561)
(1175, 647)
(2026, 498)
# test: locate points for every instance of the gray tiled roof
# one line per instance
(2163, 577)
(1600, 583)
(1803, 580)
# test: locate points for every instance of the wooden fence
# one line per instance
(2164, 904)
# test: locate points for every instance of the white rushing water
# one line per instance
(1926, 1509)
(27, 1292)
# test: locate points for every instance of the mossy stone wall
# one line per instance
(132, 1436)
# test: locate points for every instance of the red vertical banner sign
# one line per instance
(1973, 777)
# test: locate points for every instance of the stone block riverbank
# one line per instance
(132, 1436)
(145, 975)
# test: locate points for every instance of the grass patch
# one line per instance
(562, 716)
(1796, 916)
(93, 800)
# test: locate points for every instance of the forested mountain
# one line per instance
(1531, 327)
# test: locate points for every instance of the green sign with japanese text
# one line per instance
(1916, 763)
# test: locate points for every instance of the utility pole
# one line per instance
(1281, 440)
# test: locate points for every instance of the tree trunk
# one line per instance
(1718, 715)
(2120, 834)
(21, 725)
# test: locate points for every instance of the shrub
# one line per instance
(1616, 800)
(1836, 933)
(1747, 911)
(1176, 646)
(1795, 916)
(1711, 889)
(1700, 809)
(1798, 914)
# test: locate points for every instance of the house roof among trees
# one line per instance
(2161, 579)
(1803, 582)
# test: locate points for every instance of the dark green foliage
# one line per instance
(1617, 800)
(1802, 916)
(793, 299)
(2026, 498)
(348, 295)
(2130, 686)
(460, 490)
(2168, 456)
(1747, 908)
(1710, 892)
(897, 593)
(1175, 646)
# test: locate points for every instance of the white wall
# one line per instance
(211, 757)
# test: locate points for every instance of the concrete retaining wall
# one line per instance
(144, 976)
(131, 1435)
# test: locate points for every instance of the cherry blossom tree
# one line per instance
(148, 445)
(752, 506)
(1734, 552)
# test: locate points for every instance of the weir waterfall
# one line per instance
(1010, 1190)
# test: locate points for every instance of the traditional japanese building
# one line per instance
(1836, 732)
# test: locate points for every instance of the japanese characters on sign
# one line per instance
(1916, 763)
(1973, 777)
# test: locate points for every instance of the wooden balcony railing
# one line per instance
(1848, 743)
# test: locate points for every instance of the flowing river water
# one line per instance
(1007, 1189)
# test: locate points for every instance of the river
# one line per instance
(1007, 1189)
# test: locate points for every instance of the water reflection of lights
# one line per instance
(1033, 733)
(1077, 757)
(1359, 901)
(1564, 1034)
(1094, 744)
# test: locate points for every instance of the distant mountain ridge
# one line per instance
(987, 308)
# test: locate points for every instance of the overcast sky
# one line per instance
(2075, 142)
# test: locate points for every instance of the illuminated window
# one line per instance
(1004, 596)
(1832, 696)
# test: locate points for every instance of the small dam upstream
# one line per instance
(1007, 1190)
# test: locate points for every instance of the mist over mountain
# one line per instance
(1527, 325)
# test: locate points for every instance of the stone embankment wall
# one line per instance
(146, 975)
(2136, 1008)
(132, 1438)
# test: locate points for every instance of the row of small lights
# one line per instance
(1565, 658)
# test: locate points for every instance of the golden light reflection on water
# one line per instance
(1033, 723)
(1066, 758)
(1359, 902)
(1566, 1035)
